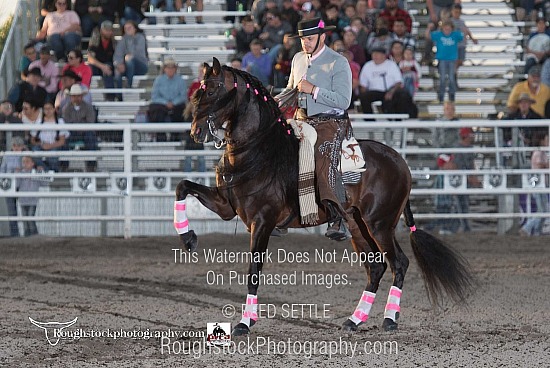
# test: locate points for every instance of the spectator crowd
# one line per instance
(374, 36)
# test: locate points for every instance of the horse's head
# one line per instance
(213, 109)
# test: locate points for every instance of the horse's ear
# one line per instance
(206, 69)
(216, 66)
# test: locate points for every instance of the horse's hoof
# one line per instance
(389, 325)
(189, 239)
(240, 330)
(349, 326)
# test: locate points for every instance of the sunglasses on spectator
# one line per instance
(270, 18)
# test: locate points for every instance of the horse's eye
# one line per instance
(210, 93)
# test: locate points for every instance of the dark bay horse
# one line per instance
(257, 179)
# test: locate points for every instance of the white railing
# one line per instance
(23, 27)
(130, 200)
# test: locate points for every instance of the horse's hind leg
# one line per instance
(398, 261)
(363, 244)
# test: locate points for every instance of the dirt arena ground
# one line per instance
(135, 287)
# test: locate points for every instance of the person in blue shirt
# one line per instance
(168, 97)
(446, 41)
(260, 64)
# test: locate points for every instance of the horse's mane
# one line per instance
(270, 156)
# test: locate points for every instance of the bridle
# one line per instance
(220, 139)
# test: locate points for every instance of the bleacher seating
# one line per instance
(491, 66)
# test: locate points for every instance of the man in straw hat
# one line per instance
(168, 97)
(323, 80)
(525, 112)
(80, 112)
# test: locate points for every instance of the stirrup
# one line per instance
(338, 231)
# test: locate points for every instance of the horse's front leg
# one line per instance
(259, 238)
(210, 197)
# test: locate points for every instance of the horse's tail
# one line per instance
(442, 268)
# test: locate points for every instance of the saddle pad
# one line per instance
(351, 177)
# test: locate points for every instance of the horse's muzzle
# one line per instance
(198, 135)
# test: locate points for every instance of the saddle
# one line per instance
(352, 165)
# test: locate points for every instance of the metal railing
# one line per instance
(133, 199)
(23, 27)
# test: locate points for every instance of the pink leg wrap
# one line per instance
(181, 223)
(363, 308)
(250, 312)
(392, 306)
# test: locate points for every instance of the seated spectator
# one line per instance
(237, 63)
(392, 12)
(525, 112)
(538, 46)
(132, 12)
(380, 80)
(350, 43)
(46, 6)
(27, 90)
(538, 92)
(12, 164)
(50, 72)
(281, 70)
(80, 112)
(381, 38)
(447, 137)
(94, 12)
(31, 114)
(29, 56)
(49, 140)
(400, 34)
(332, 18)
(168, 98)
(368, 17)
(245, 35)
(61, 30)
(8, 116)
(130, 56)
(411, 71)
(259, 64)
(360, 30)
(259, 12)
(100, 56)
(274, 30)
(75, 62)
(290, 15)
(396, 52)
(308, 11)
(345, 18)
(68, 79)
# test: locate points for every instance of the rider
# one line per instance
(323, 79)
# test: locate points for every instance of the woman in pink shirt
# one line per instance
(61, 29)
(75, 62)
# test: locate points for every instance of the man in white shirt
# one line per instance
(379, 80)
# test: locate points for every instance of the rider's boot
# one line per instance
(337, 229)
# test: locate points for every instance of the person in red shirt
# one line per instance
(392, 12)
(75, 62)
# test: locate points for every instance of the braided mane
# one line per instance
(270, 155)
